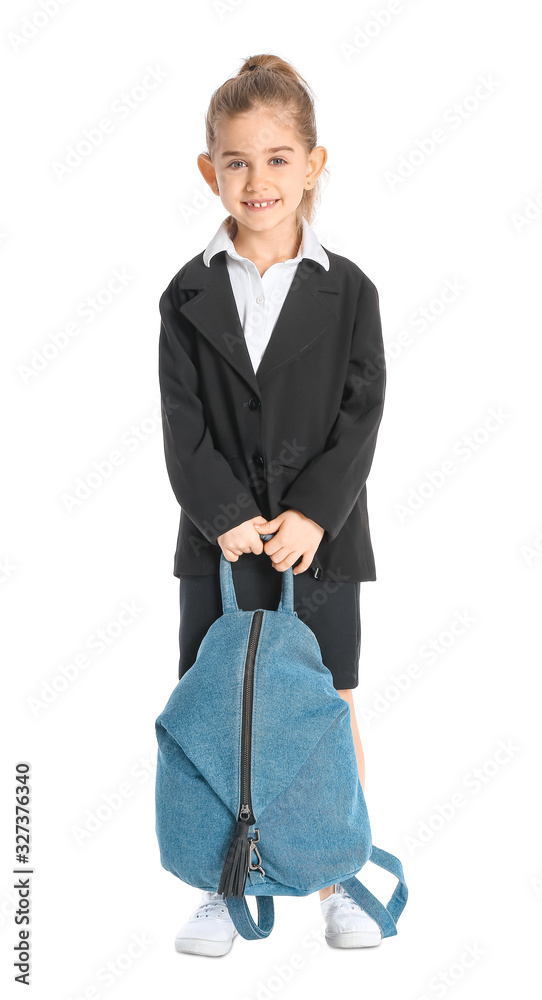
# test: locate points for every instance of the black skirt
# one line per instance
(330, 609)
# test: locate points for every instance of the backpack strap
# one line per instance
(229, 600)
(243, 920)
(385, 916)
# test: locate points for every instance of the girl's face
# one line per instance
(258, 160)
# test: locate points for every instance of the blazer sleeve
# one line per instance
(328, 487)
(201, 478)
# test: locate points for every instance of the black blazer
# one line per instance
(299, 433)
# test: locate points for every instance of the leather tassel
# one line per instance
(235, 870)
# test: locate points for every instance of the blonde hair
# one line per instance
(273, 84)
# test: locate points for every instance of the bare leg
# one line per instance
(347, 695)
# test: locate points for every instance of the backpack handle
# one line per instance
(386, 915)
(243, 919)
(229, 600)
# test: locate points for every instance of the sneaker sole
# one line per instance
(200, 946)
(353, 939)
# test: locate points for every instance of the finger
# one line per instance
(303, 566)
(287, 560)
(269, 526)
(277, 555)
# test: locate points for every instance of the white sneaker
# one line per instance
(209, 930)
(347, 925)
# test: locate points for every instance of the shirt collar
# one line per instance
(310, 246)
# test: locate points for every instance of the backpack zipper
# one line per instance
(245, 810)
(239, 856)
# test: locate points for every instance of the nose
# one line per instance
(256, 181)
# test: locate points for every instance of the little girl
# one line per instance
(272, 379)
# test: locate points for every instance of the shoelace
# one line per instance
(342, 900)
(209, 906)
(345, 902)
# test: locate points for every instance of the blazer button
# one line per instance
(257, 459)
(254, 403)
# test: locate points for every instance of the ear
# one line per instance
(208, 171)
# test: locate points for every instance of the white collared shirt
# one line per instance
(259, 299)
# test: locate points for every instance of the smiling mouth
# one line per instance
(261, 204)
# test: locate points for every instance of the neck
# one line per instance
(268, 248)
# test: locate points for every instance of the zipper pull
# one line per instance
(244, 812)
(235, 869)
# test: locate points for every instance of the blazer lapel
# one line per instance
(307, 313)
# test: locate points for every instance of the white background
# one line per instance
(470, 546)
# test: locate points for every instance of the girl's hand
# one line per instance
(243, 538)
(296, 535)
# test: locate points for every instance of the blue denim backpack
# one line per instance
(257, 785)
